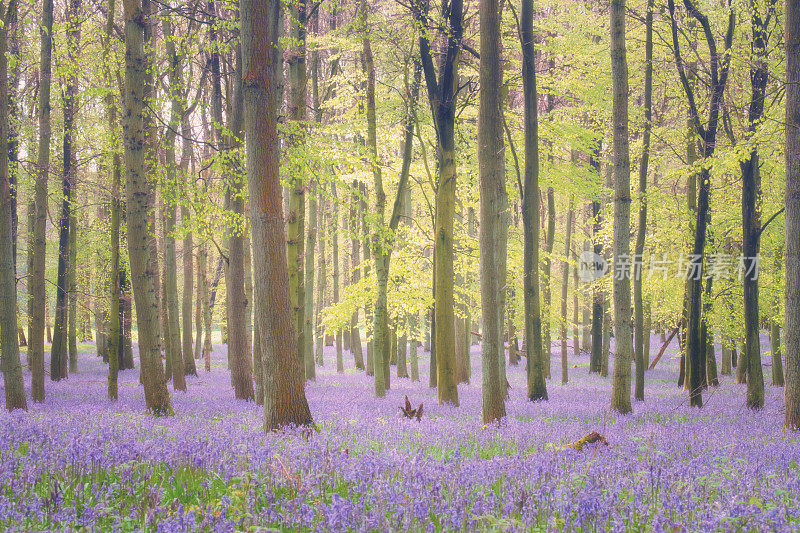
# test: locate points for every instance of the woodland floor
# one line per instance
(80, 460)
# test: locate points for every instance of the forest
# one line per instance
(392, 265)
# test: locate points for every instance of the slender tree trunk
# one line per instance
(598, 304)
(536, 387)
(297, 200)
(14, 71)
(284, 398)
(335, 228)
(355, 224)
(648, 329)
(322, 274)
(775, 350)
(369, 313)
(564, 291)
(380, 331)
(792, 320)
(188, 252)
(751, 208)
(139, 207)
(170, 194)
(413, 347)
(546, 279)
(37, 292)
(711, 359)
(116, 359)
(318, 333)
(72, 283)
(607, 324)
(638, 301)
(308, 334)
(9, 349)
(621, 387)
(127, 325)
(576, 328)
(775, 332)
(58, 352)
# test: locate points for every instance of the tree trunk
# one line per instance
(170, 194)
(441, 95)
(381, 339)
(792, 320)
(296, 216)
(322, 274)
(751, 208)
(547, 281)
(37, 292)
(775, 350)
(707, 336)
(335, 228)
(127, 325)
(116, 359)
(493, 202)
(355, 225)
(621, 387)
(694, 351)
(413, 347)
(536, 387)
(576, 327)
(564, 291)
(9, 349)
(308, 334)
(188, 253)
(58, 352)
(139, 207)
(72, 290)
(284, 398)
(598, 303)
(638, 301)
(607, 324)
(318, 333)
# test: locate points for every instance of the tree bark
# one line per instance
(621, 386)
(792, 319)
(37, 292)
(441, 95)
(9, 348)
(547, 280)
(355, 241)
(491, 173)
(139, 207)
(751, 208)
(58, 352)
(638, 301)
(536, 387)
(170, 191)
(598, 303)
(298, 79)
(564, 291)
(335, 229)
(72, 291)
(284, 398)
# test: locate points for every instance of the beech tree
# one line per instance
(623, 331)
(139, 207)
(284, 398)
(792, 324)
(9, 356)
